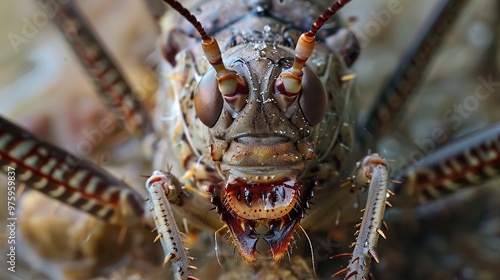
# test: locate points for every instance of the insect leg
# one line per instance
(67, 178)
(162, 187)
(468, 161)
(408, 74)
(106, 75)
(372, 170)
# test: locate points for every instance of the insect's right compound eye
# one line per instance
(208, 100)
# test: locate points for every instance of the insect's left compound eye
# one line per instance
(313, 100)
(308, 89)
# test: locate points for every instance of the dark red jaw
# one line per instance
(278, 206)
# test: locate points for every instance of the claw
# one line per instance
(168, 258)
(381, 233)
(340, 272)
(341, 255)
(385, 225)
(157, 238)
(348, 276)
(374, 254)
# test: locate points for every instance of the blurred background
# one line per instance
(44, 89)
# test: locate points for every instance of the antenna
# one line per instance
(209, 44)
(292, 79)
(229, 82)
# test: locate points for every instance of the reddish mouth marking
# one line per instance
(278, 206)
(262, 202)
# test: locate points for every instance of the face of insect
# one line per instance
(261, 140)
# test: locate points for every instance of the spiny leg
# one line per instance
(91, 189)
(403, 82)
(106, 75)
(463, 223)
(371, 171)
(64, 177)
(161, 187)
(468, 161)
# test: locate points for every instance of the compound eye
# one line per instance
(234, 89)
(313, 99)
(208, 100)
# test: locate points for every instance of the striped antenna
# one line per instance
(209, 44)
(305, 45)
(292, 79)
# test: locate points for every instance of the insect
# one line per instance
(330, 271)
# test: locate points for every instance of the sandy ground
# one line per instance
(43, 88)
